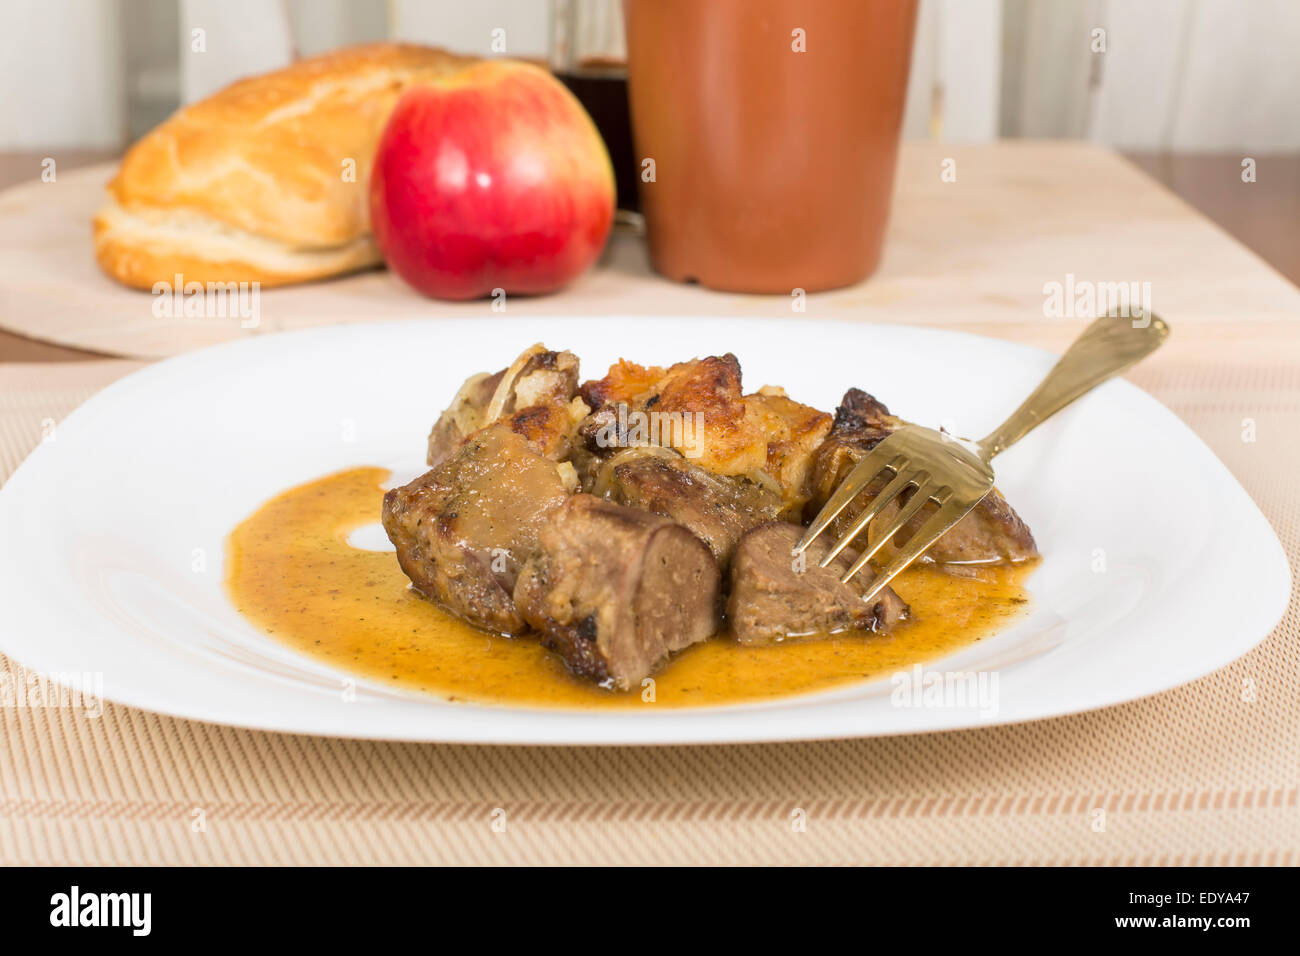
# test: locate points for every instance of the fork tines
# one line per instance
(879, 462)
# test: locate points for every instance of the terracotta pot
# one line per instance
(773, 128)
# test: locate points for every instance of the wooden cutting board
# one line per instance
(976, 251)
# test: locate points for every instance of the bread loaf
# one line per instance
(266, 181)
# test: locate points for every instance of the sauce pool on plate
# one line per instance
(292, 571)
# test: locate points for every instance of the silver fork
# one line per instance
(956, 474)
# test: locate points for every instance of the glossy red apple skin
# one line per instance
(492, 178)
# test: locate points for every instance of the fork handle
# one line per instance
(1107, 347)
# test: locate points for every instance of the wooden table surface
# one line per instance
(1265, 217)
(18, 168)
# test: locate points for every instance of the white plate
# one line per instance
(1158, 568)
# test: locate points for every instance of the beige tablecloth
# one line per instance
(1204, 774)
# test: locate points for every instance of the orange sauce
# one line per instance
(291, 570)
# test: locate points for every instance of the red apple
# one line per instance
(492, 178)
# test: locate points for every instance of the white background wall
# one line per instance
(61, 70)
(1178, 75)
(1182, 75)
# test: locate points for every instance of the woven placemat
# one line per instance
(1205, 774)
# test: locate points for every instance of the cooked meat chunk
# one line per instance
(992, 533)
(699, 409)
(862, 414)
(463, 416)
(717, 509)
(548, 429)
(616, 590)
(538, 377)
(861, 423)
(626, 383)
(794, 433)
(463, 529)
(775, 595)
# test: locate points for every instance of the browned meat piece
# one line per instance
(863, 416)
(992, 533)
(775, 596)
(703, 414)
(794, 433)
(625, 383)
(718, 510)
(616, 590)
(548, 429)
(720, 435)
(463, 530)
(539, 377)
(462, 416)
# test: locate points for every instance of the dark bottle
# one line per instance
(602, 90)
(588, 54)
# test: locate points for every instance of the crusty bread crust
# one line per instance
(141, 267)
(141, 252)
(262, 159)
